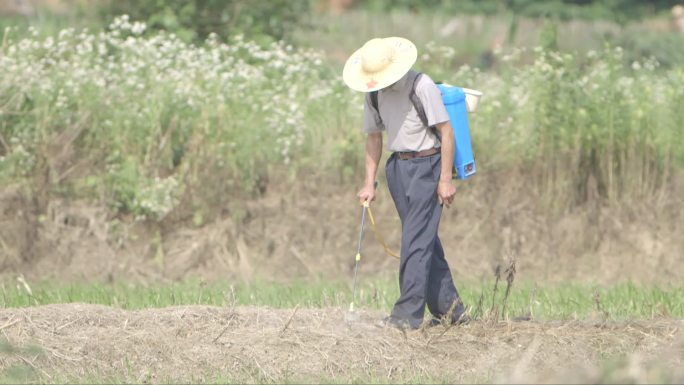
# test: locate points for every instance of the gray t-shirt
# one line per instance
(405, 131)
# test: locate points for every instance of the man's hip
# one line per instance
(406, 155)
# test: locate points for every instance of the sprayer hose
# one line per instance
(378, 236)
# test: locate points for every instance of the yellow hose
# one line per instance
(379, 237)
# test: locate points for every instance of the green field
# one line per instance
(551, 302)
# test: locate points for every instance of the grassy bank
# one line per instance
(562, 301)
(148, 124)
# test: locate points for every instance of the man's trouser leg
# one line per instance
(413, 185)
(442, 293)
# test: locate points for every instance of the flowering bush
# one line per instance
(149, 123)
(156, 108)
(571, 118)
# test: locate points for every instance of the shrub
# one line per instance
(152, 117)
(197, 19)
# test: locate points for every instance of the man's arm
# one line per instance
(373, 153)
(446, 189)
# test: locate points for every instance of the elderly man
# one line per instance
(408, 106)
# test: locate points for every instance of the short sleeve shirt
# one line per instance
(405, 130)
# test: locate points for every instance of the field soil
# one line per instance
(309, 229)
(248, 344)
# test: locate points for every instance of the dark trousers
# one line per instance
(424, 275)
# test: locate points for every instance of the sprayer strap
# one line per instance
(417, 104)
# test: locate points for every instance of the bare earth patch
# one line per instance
(312, 231)
(250, 344)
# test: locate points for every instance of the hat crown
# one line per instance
(379, 63)
(678, 10)
(376, 55)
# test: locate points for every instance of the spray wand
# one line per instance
(366, 207)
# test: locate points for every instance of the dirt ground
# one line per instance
(248, 344)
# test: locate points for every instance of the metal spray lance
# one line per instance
(366, 205)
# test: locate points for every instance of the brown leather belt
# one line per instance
(417, 154)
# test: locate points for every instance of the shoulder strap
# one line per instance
(374, 104)
(418, 105)
(415, 100)
(374, 100)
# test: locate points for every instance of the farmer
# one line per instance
(419, 171)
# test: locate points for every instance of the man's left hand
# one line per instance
(446, 192)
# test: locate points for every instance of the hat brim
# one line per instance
(354, 76)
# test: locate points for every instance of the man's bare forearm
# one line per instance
(373, 153)
(448, 144)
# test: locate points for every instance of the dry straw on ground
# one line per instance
(250, 344)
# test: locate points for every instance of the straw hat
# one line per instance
(379, 63)
(678, 11)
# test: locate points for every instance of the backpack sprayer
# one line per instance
(458, 102)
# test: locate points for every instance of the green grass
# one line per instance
(561, 301)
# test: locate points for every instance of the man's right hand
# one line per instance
(366, 194)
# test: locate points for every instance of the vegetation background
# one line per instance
(159, 153)
(225, 125)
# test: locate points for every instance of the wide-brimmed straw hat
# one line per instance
(379, 63)
(678, 11)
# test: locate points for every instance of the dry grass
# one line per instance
(311, 231)
(80, 342)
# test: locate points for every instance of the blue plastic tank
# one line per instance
(454, 101)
